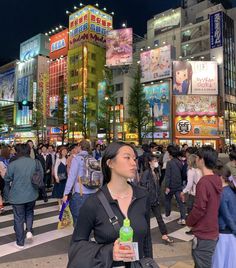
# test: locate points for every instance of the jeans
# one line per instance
(168, 198)
(75, 204)
(157, 213)
(23, 213)
(202, 252)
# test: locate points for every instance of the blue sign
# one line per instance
(34, 46)
(58, 45)
(216, 29)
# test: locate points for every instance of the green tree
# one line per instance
(106, 106)
(139, 116)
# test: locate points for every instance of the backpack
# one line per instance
(93, 177)
(37, 178)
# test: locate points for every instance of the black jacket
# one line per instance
(94, 218)
(173, 175)
(47, 165)
(148, 181)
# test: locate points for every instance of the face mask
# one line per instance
(155, 164)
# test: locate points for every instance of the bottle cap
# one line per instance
(126, 222)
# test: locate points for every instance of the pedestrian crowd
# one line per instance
(136, 183)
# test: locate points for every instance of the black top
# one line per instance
(93, 217)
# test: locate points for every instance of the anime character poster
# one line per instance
(158, 100)
(196, 105)
(156, 64)
(195, 77)
(7, 85)
(119, 47)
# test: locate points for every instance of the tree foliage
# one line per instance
(139, 116)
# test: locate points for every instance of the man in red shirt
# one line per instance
(203, 218)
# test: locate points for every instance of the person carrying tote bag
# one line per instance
(125, 200)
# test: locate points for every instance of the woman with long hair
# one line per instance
(126, 201)
(60, 174)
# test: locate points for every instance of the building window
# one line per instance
(121, 100)
(93, 56)
(119, 87)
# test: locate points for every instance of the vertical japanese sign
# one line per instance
(216, 29)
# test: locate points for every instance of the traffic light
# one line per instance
(22, 103)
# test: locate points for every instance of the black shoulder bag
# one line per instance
(37, 178)
(144, 262)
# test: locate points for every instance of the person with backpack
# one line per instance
(22, 195)
(174, 184)
(74, 183)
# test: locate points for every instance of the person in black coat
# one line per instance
(126, 201)
(150, 180)
(46, 161)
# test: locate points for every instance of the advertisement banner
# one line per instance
(193, 127)
(216, 29)
(7, 85)
(167, 22)
(53, 106)
(159, 106)
(156, 64)
(88, 24)
(101, 96)
(59, 44)
(23, 88)
(195, 77)
(196, 105)
(34, 46)
(119, 47)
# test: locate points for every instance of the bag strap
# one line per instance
(112, 217)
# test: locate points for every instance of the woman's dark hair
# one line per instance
(60, 151)
(110, 153)
(23, 150)
(232, 156)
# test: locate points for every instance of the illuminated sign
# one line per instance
(88, 24)
(156, 63)
(195, 77)
(36, 45)
(216, 29)
(167, 22)
(119, 47)
(7, 79)
(58, 45)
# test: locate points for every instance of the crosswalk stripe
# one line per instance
(36, 212)
(180, 234)
(174, 216)
(37, 240)
(38, 223)
(38, 202)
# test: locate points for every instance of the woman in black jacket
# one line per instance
(150, 180)
(126, 200)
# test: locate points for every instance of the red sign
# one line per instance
(59, 44)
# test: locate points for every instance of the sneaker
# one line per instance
(29, 236)
(189, 232)
(181, 222)
(19, 247)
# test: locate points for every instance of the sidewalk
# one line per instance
(176, 256)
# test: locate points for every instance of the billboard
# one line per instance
(156, 64)
(101, 96)
(187, 105)
(195, 77)
(119, 47)
(158, 99)
(34, 46)
(88, 24)
(167, 22)
(59, 44)
(193, 127)
(53, 106)
(7, 79)
(216, 29)
(23, 88)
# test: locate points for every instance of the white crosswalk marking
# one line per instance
(47, 215)
(180, 234)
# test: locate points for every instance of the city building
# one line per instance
(86, 59)
(57, 95)
(7, 104)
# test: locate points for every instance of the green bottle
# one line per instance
(126, 231)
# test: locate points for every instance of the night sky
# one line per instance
(22, 19)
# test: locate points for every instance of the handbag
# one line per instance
(37, 178)
(142, 263)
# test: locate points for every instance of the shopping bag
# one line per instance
(65, 217)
